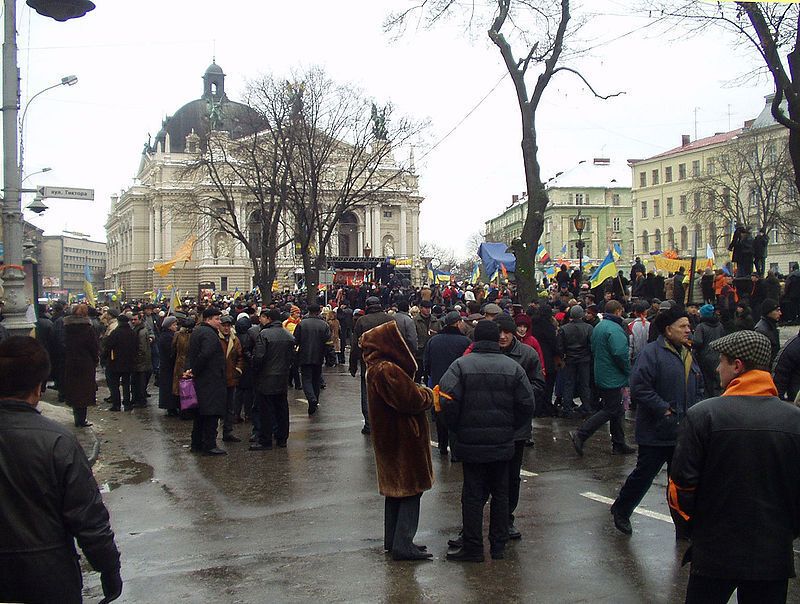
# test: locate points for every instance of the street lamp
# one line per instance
(69, 80)
(61, 10)
(367, 250)
(42, 171)
(579, 222)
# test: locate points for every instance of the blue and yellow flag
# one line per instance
(617, 251)
(476, 273)
(606, 269)
(174, 302)
(87, 284)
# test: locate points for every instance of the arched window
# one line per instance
(658, 240)
(712, 234)
(645, 242)
(684, 238)
(254, 230)
(671, 238)
(698, 236)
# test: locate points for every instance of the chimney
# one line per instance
(602, 161)
(748, 123)
(685, 140)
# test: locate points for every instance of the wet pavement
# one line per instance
(305, 523)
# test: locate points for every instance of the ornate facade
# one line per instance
(149, 222)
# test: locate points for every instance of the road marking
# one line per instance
(524, 473)
(640, 511)
(302, 400)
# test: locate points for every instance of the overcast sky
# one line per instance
(140, 61)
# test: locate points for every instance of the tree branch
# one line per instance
(580, 75)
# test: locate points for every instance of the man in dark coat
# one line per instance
(313, 338)
(50, 498)
(345, 315)
(678, 291)
(486, 398)
(205, 363)
(574, 347)
(374, 316)
(272, 358)
(80, 363)
(166, 367)
(119, 357)
(427, 326)
(768, 325)
(735, 481)
(760, 243)
(786, 372)
(442, 349)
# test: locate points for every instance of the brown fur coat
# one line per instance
(397, 405)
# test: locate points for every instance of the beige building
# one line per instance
(63, 262)
(148, 222)
(600, 189)
(691, 195)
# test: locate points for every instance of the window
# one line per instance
(655, 177)
(668, 174)
(656, 208)
(645, 241)
(684, 238)
(615, 199)
(681, 171)
(712, 234)
(615, 224)
(671, 238)
(642, 179)
(658, 239)
(387, 213)
(712, 200)
(774, 235)
(683, 204)
(644, 209)
(771, 152)
(711, 165)
(223, 283)
(697, 201)
(579, 200)
(726, 198)
(670, 208)
(698, 236)
(696, 168)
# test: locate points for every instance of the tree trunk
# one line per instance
(311, 277)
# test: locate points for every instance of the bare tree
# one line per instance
(342, 157)
(541, 26)
(745, 183)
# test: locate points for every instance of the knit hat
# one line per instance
(576, 312)
(707, 310)
(505, 323)
(165, 324)
(523, 319)
(452, 318)
(768, 305)
(746, 345)
(487, 331)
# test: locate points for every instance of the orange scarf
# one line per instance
(752, 383)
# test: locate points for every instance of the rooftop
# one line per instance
(599, 173)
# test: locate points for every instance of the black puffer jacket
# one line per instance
(272, 358)
(486, 398)
(787, 370)
(50, 499)
(442, 349)
(120, 349)
(528, 359)
(769, 328)
(574, 342)
(312, 335)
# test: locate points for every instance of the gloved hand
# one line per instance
(112, 586)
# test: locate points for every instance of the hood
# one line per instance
(384, 343)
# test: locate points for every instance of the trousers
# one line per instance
(204, 432)
(312, 381)
(649, 461)
(364, 404)
(612, 412)
(124, 379)
(480, 481)
(576, 381)
(514, 480)
(273, 417)
(400, 522)
(230, 411)
(707, 590)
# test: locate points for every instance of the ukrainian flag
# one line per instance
(617, 251)
(606, 269)
(476, 273)
(87, 284)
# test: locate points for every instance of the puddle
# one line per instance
(127, 471)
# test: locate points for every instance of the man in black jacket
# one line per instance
(374, 316)
(575, 348)
(48, 493)
(312, 336)
(486, 397)
(735, 480)
(272, 358)
(118, 355)
(786, 372)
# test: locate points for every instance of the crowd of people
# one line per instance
(478, 365)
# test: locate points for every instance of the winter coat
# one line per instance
(574, 342)
(166, 370)
(180, 347)
(273, 355)
(80, 362)
(234, 359)
(397, 405)
(442, 349)
(312, 336)
(531, 363)
(544, 331)
(207, 362)
(486, 398)
(424, 328)
(769, 328)
(248, 342)
(50, 499)
(374, 317)
(336, 329)
(408, 328)
(612, 364)
(735, 478)
(710, 329)
(119, 349)
(639, 330)
(787, 370)
(144, 353)
(659, 382)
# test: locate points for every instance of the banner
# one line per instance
(184, 254)
(670, 265)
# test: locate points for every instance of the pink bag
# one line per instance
(187, 394)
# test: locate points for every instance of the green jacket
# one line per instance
(612, 365)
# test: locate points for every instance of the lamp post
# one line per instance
(367, 250)
(12, 273)
(69, 80)
(42, 171)
(579, 222)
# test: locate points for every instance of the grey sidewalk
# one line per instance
(62, 414)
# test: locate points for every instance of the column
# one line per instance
(415, 232)
(151, 227)
(167, 251)
(377, 245)
(158, 234)
(403, 231)
(368, 229)
(360, 243)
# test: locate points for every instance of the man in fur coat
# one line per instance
(400, 436)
